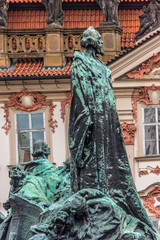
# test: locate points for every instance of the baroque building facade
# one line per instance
(35, 68)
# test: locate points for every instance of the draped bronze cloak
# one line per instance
(99, 158)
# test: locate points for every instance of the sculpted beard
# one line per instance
(99, 50)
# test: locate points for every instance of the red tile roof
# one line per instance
(136, 45)
(33, 67)
(21, 19)
(129, 21)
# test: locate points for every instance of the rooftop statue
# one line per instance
(3, 13)
(110, 10)
(149, 19)
(54, 12)
(93, 196)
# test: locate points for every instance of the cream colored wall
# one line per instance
(59, 138)
(4, 162)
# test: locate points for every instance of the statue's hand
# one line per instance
(132, 236)
(6, 205)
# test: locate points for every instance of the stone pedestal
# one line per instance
(111, 36)
(4, 59)
(54, 48)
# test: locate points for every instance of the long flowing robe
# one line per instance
(99, 158)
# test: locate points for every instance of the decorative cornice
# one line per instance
(149, 170)
(152, 201)
(156, 170)
(143, 97)
(142, 173)
(64, 103)
(145, 68)
(128, 131)
(28, 101)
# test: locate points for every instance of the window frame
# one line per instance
(30, 131)
(12, 133)
(156, 124)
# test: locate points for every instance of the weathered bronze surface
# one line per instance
(149, 19)
(54, 12)
(110, 10)
(93, 197)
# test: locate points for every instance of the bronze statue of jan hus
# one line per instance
(54, 12)
(3, 13)
(149, 19)
(110, 10)
(98, 155)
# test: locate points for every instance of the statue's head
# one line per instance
(61, 219)
(78, 205)
(16, 172)
(92, 38)
(41, 150)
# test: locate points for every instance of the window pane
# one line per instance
(151, 148)
(158, 114)
(37, 120)
(23, 140)
(37, 136)
(22, 121)
(149, 115)
(150, 132)
(24, 155)
(159, 138)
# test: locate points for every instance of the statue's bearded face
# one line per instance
(99, 45)
(16, 172)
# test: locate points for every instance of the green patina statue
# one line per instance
(97, 148)
(93, 197)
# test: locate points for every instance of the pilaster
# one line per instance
(111, 36)
(4, 59)
(54, 55)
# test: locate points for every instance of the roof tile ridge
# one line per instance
(28, 69)
(39, 67)
(24, 68)
(16, 68)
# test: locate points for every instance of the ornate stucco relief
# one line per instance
(28, 101)
(64, 103)
(148, 95)
(128, 131)
(150, 170)
(152, 201)
(145, 70)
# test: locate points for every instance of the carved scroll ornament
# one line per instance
(152, 201)
(128, 131)
(144, 97)
(145, 68)
(28, 101)
(64, 103)
(143, 173)
(150, 170)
